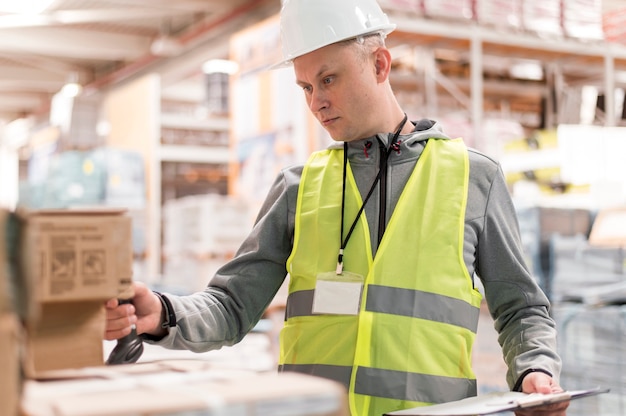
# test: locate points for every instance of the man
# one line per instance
(383, 236)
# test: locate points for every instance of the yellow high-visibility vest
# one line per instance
(411, 342)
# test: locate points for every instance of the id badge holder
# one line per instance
(338, 294)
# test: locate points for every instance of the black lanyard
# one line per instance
(383, 165)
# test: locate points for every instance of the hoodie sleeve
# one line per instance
(241, 290)
(520, 309)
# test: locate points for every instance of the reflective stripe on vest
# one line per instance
(376, 382)
(411, 343)
(399, 302)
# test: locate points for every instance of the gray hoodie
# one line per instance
(242, 289)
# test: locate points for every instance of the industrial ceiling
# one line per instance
(101, 43)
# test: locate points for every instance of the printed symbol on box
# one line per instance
(93, 263)
(63, 264)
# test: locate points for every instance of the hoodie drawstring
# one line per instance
(367, 146)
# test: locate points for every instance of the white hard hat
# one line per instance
(307, 25)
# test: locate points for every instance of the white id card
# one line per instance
(338, 294)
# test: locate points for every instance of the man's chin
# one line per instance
(335, 136)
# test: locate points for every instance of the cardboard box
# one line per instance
(10, 376)
(79, 254)
(77, 259)
(184, 387)
(67, 335)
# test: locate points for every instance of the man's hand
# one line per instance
(539, 382)
(144, 312)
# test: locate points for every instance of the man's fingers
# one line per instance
(120, 327)
(112, 335)
(119, 321)
(126, 309)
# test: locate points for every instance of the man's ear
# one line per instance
(382, 63)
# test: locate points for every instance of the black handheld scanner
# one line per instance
(129, 348)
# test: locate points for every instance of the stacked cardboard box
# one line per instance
(78, 259)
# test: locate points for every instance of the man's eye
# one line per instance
(306, 89)
(328, 80)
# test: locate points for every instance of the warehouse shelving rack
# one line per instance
(564, 59)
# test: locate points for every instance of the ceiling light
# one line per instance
(220, 66)
(24, 6)
(166, 46)
(72, 87)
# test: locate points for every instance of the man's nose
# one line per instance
(318, 101)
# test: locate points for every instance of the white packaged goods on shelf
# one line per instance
(583, 19)
(205, 225)
(405, 6)
(542, 17)
(193, 137)
(452, 9)
(499, 13)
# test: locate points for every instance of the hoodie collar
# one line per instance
(424, 129)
